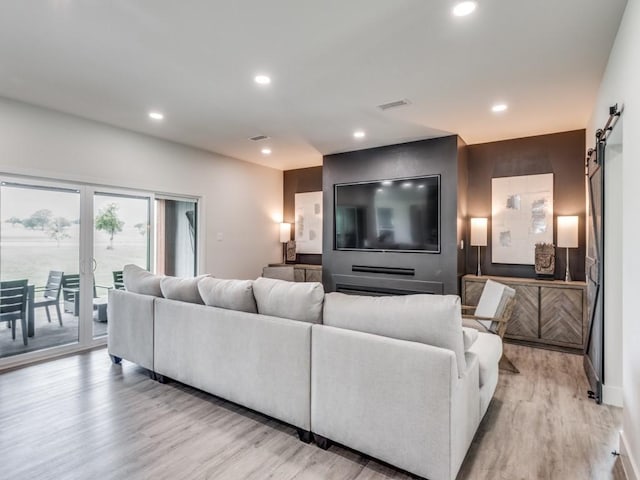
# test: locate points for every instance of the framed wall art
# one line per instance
(522, 215)
(308, 236)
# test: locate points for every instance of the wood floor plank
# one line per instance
(83, 417)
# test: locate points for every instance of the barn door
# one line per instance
(596, 161)
(594, 347)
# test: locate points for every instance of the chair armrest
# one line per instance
(104, 286)
(486, 319)
(468, 307)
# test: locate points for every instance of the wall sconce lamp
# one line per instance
(285, 236)
(478, 237)
(567, 238)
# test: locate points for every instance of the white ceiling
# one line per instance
(331, 63)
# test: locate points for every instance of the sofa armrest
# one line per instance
(396, 400)
(130, 326)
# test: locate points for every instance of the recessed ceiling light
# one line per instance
(262, 79)
(358, 134)
(406, 184)
(156, 115)
(499, 107)
(266, 151)
(386, 183)
(462, 9)
(421, 186)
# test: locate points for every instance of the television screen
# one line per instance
(400, 214)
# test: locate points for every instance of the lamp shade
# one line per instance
(568, 232)
(285, 232)
(478, 232)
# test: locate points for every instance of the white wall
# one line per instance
(621, 84)
(239, 199)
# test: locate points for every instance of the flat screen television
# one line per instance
(388, 215)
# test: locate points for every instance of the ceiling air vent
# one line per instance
(397, 103)
(257, 138)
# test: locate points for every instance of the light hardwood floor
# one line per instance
(82, 418)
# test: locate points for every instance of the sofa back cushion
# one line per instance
(295, 300)
(138, 280)
(182, 289)
(432, 319)
(229, 294)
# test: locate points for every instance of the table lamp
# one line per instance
(567, 238)
(285, 236)
(478, 237)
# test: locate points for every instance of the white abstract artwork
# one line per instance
(308, 222)
(522, 215)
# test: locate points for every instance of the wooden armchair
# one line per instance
(492, 314)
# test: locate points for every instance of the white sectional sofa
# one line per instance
(397, 378)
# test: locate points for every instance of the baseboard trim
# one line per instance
(612, 396)
(628, 462)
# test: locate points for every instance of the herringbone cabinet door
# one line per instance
(524, 320)
(561, 315)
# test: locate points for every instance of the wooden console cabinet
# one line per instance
(303, 272)
(548, 313)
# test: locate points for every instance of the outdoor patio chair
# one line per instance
(118, 281)
(51, 295)
(13, 305)
(71, 296)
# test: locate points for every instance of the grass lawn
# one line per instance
(31, 254)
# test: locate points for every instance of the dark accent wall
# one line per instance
(434, 273)
(301, 180)
(563, 155)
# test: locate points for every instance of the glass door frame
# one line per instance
(85, 264)
(87, 280)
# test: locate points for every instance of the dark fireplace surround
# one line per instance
(393, 273)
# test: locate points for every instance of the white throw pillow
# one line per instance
(138, 280)
(182, 289)
(432, 319)
(295, 300)
(229, 294)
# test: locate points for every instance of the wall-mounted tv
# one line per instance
(396, 215)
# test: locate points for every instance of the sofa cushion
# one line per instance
(229, 294)
(488, 348)
(431, 319)
(182, 289)
(295, 300)
(469, 335)
(138, 280)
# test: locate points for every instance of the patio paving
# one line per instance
(47, 334)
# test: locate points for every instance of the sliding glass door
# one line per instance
(121, 235)
(68, 244)
(40, 246)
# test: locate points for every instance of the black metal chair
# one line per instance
(51, 295)
(13, 305)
